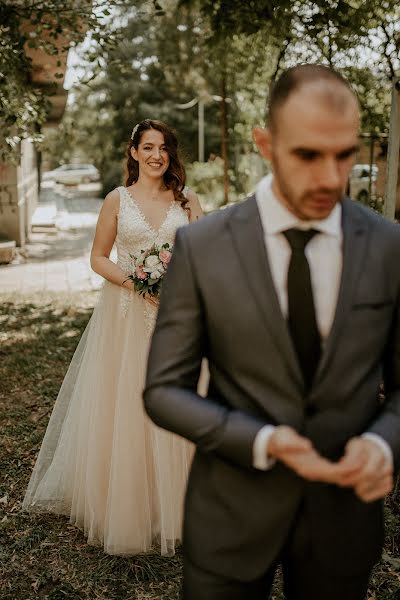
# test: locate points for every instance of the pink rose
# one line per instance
(165, 256)
(140, 273)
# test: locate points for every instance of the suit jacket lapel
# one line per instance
(248, 237)
(355, 242)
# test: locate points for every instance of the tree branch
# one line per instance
(386, 55)
(281, 56)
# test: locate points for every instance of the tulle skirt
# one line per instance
(103, 462)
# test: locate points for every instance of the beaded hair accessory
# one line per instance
(134, 130)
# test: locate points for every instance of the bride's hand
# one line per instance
(152, 300)
(127, 284)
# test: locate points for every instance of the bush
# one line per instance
(112, 175)
(207, 180)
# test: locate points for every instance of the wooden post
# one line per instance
(393, 153)
(224, 136)
(201, 129)
(371, 162)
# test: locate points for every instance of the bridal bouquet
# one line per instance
(149, 268)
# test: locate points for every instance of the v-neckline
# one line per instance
(143, 216)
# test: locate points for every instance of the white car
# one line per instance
(72, 174)
(360, 181)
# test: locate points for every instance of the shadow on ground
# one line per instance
(67, 244)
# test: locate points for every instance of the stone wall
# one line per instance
(18, 195)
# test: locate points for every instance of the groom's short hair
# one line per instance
(294, 78)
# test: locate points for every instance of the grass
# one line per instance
(42, 556)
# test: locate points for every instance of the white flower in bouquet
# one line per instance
(153, 268)
(153, 265)
(156, 275)
(152, 261)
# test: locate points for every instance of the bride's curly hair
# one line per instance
(175, 176)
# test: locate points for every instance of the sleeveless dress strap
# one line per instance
(122, 198)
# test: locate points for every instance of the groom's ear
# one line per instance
(262, 139)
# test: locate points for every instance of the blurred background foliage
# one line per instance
(145, 60)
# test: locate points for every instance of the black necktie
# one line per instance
(301, 311)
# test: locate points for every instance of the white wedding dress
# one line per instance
(102, 461)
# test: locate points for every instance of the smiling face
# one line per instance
(151, 154)
(312, 147)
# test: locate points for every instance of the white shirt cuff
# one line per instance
(260, 449)
(386, 449)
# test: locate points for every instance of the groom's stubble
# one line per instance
(311, 147)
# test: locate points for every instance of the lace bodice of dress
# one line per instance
(135, 233)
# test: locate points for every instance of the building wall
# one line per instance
(18, 195)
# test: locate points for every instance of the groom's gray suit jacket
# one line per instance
(219, 301)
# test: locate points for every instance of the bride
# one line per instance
(102, 461)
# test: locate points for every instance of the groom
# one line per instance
(294, 297)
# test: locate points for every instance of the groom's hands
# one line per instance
(373, 479)
(298, 453)
(363, 467)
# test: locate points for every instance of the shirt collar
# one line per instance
(277, 218)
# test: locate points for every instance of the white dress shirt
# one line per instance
(325, 257)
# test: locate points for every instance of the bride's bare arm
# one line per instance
(106, 231)
(194, 206)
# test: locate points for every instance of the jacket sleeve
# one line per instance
(178, 346)
(387, 425)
